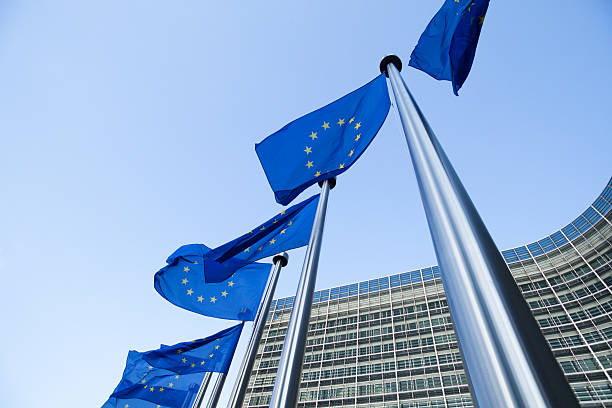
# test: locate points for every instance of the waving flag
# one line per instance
(171, 375)
(447, 47)
(182, 283)
(287, 230)
(325, 142)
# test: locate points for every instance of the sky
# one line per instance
(127, 129)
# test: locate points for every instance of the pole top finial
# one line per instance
(331, 181)
(390, 59)
(283, 258)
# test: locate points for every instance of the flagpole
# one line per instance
(200, 397)
(287, 380)
(507, 359)
(216, 392)
(242, 382)
(194, 388)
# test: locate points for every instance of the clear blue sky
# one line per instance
(127, 129)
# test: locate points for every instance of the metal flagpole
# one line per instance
(200, 397)
(287, 380)
(507, 359)
(193, 389)
(242, 381)
(216, 392)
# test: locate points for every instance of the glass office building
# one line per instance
(390, 341)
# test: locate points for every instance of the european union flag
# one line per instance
(447, 47)
(325, 142)
(182, 283)
(287, 230)
(171, 375)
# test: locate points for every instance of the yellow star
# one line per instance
(151, 389)
(211, 355)
(185, 281)
(224, 293)
(143, 381)
(216, 347)
(202, 363)
(290, 222)
(351, 153)
(186, 269)
(200, 299)
(250, 232)
(340, 122)
(325, 125)
(272, 241)
(190, 292)
(171, 385)
(126, 406)
(195, 263)
(283, 231)
(247, 250)
(274, 222)
(179, 351)
(184, 360)
(342, 166)
(282, 212)
(317, 174)
(213, 299)
(358, 125)
(260, 248)
(230, 283)
(456, 1)
(358, 137)
(177, 376)
(313, 135)
(481, 20)
(309, 164)
(146, 386)
(262, 228)
(150, 367)
(192, 365)
(308, 150)
(161, 389)
(352, 119)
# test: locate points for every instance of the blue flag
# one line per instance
(323, 143)
(287, 230)
(182, 283)
(171, 375)
(447, 47)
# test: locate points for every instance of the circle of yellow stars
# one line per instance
(224, 294)
(188, 363)
(326, 125)
(200, 299)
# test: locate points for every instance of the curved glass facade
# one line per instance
(389, 342)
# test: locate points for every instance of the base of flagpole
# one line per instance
(390, 59)
(332, 181)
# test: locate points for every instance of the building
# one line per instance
(390, 342)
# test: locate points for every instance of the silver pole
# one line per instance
(216, 392)
(242, 382)
(507, 359)
(193, 389)
(287, 380)
(200, 397)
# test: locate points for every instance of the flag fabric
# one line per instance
(447, 47)
(182, 283)
(171, 375)
(287, 230)
(323, 143)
